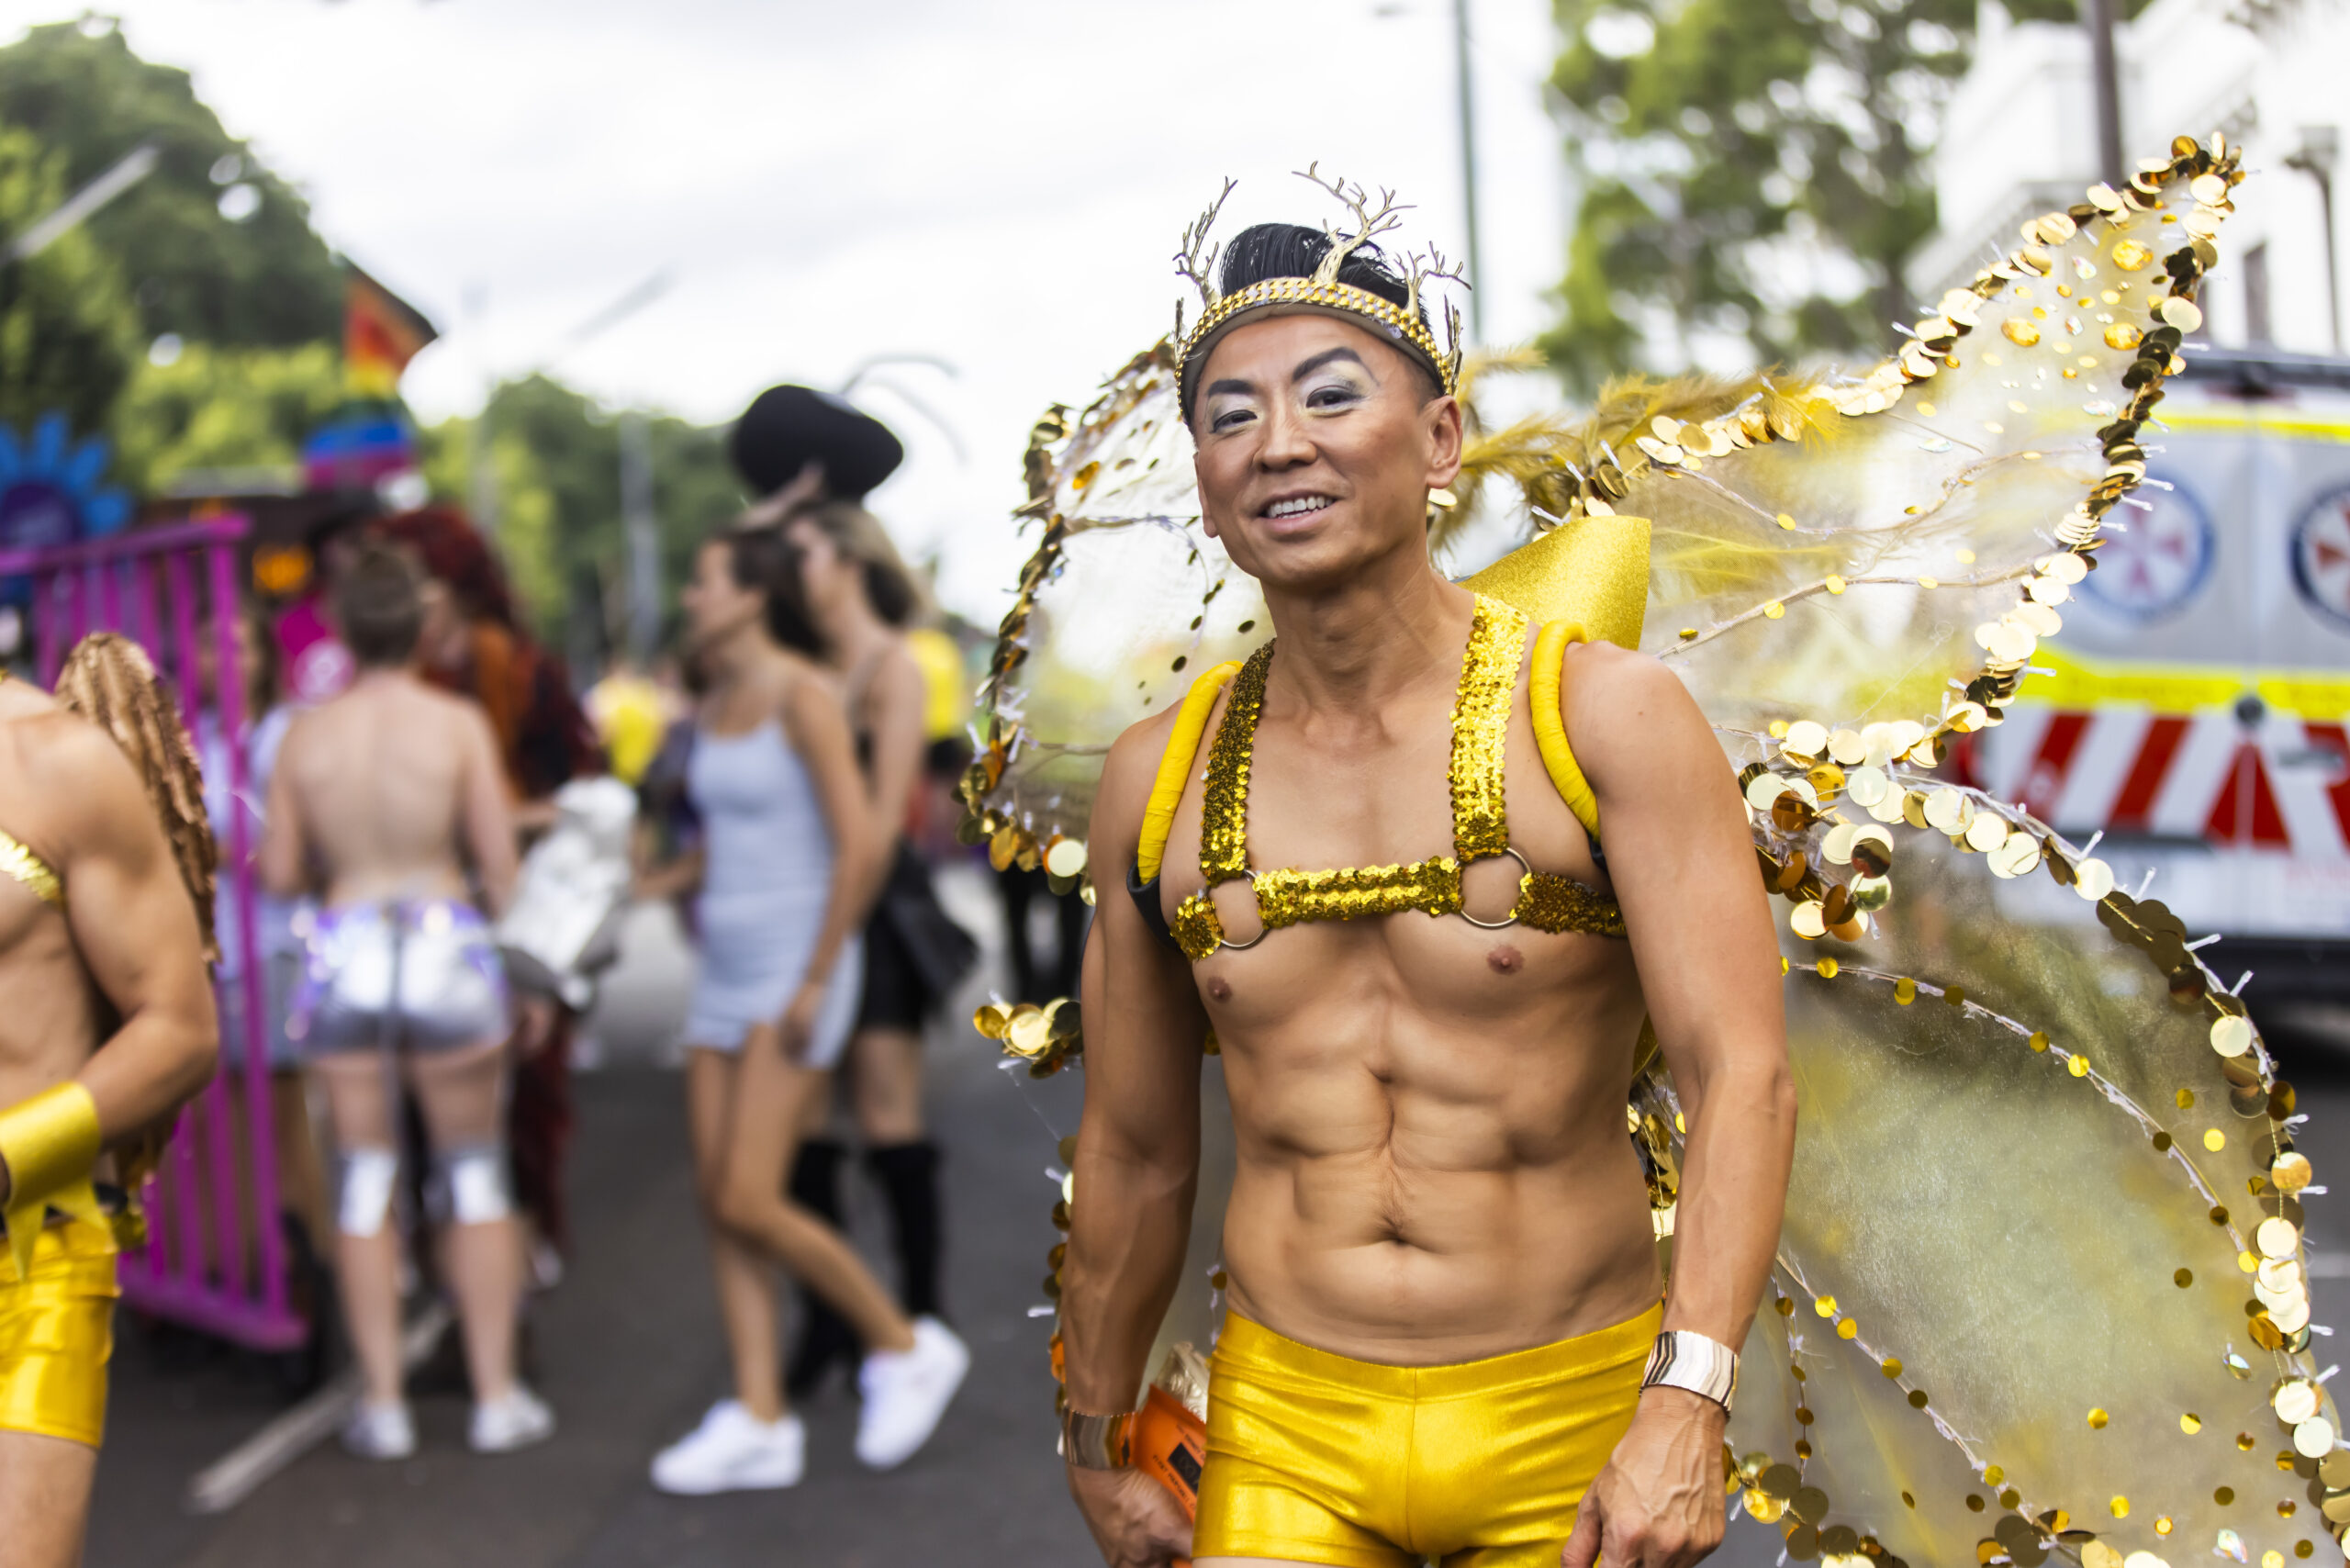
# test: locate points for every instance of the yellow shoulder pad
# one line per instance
(1550, 726)
(1175, 763)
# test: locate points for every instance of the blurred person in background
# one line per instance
(311, 654)
(381, 801)
(477, 646)
(861, 598)
(108, 1031)
(1034, 980)
(474, 646)
(301, 1184)
(785, 873)
(668, 827)
(632, 712)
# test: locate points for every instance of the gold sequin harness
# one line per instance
(1546, 901)
(27, 868)
(31, 870)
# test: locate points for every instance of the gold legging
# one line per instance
(1318, 1458)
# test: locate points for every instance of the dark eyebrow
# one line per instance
(1303, 370)
(1326, 357)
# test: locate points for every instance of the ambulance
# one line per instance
(2192, 716)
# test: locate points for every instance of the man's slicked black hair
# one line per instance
(1292, 250)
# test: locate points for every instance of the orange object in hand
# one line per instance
(1169, 1444)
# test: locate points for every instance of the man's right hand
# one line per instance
(1135, 1522)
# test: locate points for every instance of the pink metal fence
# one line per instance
(214, 1257)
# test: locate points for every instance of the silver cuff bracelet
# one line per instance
(1686, 1361)
(1098, 1443)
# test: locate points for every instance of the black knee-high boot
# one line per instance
(825, 1337)
(908, 1176)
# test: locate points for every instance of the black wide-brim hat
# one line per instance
(786, 428)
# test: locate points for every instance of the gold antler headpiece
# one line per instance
(1405, 325)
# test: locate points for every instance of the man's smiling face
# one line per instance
(1318, 443)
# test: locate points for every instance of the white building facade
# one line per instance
(2020, 138)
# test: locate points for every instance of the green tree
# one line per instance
(555, 452)
(67, 335)
(1751, 169)
(263, 277)
(223, 409)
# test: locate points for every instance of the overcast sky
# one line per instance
(998, 183)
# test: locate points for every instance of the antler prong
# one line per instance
(1368, 222)
(1423, 270)
(1197, 259)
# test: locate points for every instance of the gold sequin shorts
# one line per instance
(1318, 1458)
(56, 1334)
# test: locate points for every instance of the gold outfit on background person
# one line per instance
(57, 1269)
(57, 1335)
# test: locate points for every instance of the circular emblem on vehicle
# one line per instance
(2322, 555)
(2162, 560)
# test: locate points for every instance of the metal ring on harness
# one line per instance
(1223, 941)
(1524, 871)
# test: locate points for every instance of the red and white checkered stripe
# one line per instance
(2128, 770)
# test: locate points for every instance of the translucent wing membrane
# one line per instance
(1891, 547)
(1125, 601)
(2019, 1291)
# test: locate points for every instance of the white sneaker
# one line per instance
(732, 1451)
(515, 1421)
(906, 1392)
(379, 1431)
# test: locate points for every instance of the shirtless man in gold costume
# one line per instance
(108, 1028)
(1444, 1286)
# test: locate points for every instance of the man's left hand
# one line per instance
(1660, 1501)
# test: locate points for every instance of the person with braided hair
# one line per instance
(104, 915)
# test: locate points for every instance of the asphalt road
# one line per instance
(627, 1349)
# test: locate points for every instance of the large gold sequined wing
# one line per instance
(2042, 1290)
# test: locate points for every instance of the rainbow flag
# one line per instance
(381, 332)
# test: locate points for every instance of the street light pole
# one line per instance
(642, 530)
(1469, 162)
(480, 460)
(2105, 76)
(135, 166)
(2320, 147)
